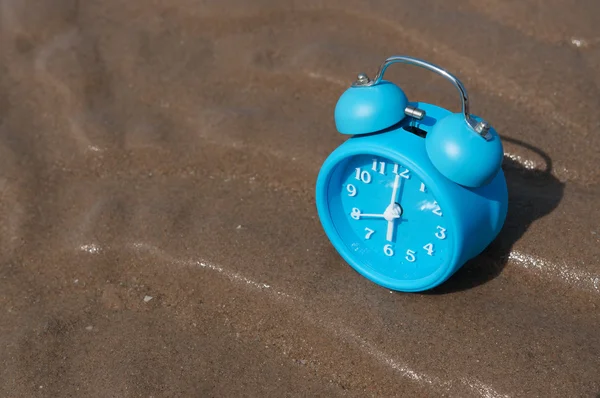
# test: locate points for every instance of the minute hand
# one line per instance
(390, 211)
(395, 190)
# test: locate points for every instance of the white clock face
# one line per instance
(389, 219)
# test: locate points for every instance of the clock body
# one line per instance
(394, 217)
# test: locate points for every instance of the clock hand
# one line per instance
(395, 190)
(390, 231)
(393, 211)
(356, 214)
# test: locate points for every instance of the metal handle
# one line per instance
(479, 127)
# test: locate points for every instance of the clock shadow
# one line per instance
(532, 194)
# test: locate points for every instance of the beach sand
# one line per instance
(158, 232)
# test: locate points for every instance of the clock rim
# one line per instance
(351, 149)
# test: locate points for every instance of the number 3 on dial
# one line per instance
(441, 234)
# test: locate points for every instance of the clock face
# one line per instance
(389, 219)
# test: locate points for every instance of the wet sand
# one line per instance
(158, 231)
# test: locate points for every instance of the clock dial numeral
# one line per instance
(436, 209)
(404, 174)
(351, 190)
(429, 248)
(355, 213)
(387, 249)
(422, 189)
(369, 233)
(441, 234)
(363, 176)
(410, 256)
(380, 169)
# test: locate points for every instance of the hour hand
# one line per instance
(357, 214)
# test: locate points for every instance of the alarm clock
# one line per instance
(416, 190)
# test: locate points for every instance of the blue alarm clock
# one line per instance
(416, 191)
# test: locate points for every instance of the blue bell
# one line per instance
(364, 109)
(465, 149)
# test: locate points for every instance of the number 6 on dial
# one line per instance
(387, 249)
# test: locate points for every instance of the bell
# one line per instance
(465, 149)
(364, 109)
